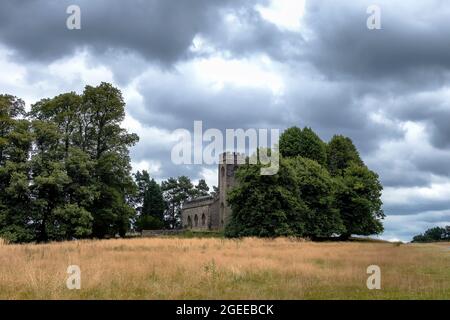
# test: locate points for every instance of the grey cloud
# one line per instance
(410, 40)
(177, 103)
(407, 226)
(160, 31)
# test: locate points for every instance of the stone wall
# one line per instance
(214, 215)
(155, 233)
(196, 214)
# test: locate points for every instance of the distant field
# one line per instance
(214, 268)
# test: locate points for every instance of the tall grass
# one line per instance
(215, 268)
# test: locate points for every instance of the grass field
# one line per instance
(214, 268)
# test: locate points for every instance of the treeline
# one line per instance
(433, 235)
(321, 190)
(65, 171)
(64, 167)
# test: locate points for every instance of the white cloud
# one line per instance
(210, 176)
(218, 72)
(406, 195)
(152, 167)
(286, 14)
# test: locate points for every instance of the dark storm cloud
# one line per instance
(337, 108)
(414, 38)
(158, 30)
(179, 104)
(430, 107)
(246, 33)
(417, 206)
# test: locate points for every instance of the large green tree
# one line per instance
(290, 142)
(176, 191)
(317, 190)
(359, 201)
(433, 235)
(341, 154)
(64, 167)
(305, 143)
(150, 203)
(266, 205)
(102, 137)
(359, 190)
(15, 196)
(297, 201)
(334, 192)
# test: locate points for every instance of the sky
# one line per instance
(257, 64)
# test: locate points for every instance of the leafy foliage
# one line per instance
(341, 153)
(265, 205)
(320, 191)
(358, 198)
(433, 235)
(151, 204)
(176, 191)
(64, 167)
(305, 143)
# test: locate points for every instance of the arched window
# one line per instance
(196, 221)
(189, 222)
(203, 220)
(222, 171)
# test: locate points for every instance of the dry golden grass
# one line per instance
(177, 268)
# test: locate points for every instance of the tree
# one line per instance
(201, 189)
(64, 167)
(265, 205)
(433, 235)
(101, 136)
(305, 143)
(66, 189)
(175, 192)
(49, 179)
(341, 154)
(344, 201)
(317, 191)
(15, 145)
(359, 201)
(154, 204)
(151, 205)
(63, 111)
(312, 147)
(290, 141)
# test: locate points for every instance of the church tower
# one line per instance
(228, 164)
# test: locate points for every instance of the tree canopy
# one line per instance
(65, 167)
(305, 143)
(321, 190)
(433, 235)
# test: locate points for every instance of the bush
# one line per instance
(147, 222)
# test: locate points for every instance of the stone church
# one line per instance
(208, 212)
